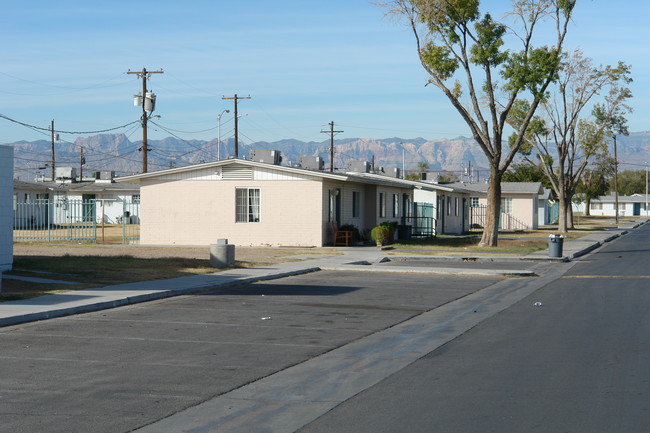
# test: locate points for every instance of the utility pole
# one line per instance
(236, 98)
(147, 101)
(82, 161)
(52, 129)
(615, 179)
(331, 132)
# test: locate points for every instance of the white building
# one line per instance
(631, 205)
(38, 203)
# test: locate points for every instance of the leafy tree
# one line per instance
(574, 139)
(448, 177)
(413, 176)
(525, 172)
(610, 115)
(631, 182)
(595, 181)
(456, 41)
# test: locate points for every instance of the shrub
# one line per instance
(381, 235)
(384, 233)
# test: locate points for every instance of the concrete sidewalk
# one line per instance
(363, 259)
(574, 248)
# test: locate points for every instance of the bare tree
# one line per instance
(575, 139)
(456, 41)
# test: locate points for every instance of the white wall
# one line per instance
(6, 208)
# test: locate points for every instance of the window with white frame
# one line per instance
(395, 205)
(247, 205)
(506, 205)
(473, 201)
(456, 206)
(135, 198)
(596, 206)
(382, 205)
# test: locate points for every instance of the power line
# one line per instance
(201, 149)
(49, 130)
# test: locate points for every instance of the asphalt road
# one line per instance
(116, 370)
(579, 362)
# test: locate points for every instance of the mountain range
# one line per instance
(115, 152)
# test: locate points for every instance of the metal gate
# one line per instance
(79, 221)
(424, 222)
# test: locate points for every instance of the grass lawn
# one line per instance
(510, 243)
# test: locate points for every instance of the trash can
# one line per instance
(555, 243)
(222, 254)
(404, 232)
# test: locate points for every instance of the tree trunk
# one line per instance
(562, 199)
(493, 211)
(587, 206)
(569, 215)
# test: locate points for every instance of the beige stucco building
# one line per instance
(254, 203)
(519, 203)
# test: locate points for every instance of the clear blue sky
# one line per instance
(304, 63)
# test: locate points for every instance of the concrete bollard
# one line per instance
(222, 254)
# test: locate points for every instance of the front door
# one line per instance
(335, 206)
(88, 207)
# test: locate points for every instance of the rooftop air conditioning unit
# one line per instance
(358, 166)
(311, 162)
(268, 156)
(65, 172)
(393, 172)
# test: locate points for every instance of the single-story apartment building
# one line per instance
(6, 215)
(65, 202)
(544, 204)
(631, 205)
(450, 204)
(258, 203)
(520, 203)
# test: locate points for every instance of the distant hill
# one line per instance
(117, 153)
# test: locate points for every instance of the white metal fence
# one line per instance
(76, 221)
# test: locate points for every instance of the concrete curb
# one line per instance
(143, 297)
(432, 271)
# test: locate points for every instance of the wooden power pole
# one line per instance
(53, 170)
(331, 132)
(144, 74)
(236, 98)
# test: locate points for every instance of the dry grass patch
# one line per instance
(459, 245)
(97, 266)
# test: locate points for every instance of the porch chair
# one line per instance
(342, 238)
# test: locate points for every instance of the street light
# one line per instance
(403, 172)
(219, 134)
